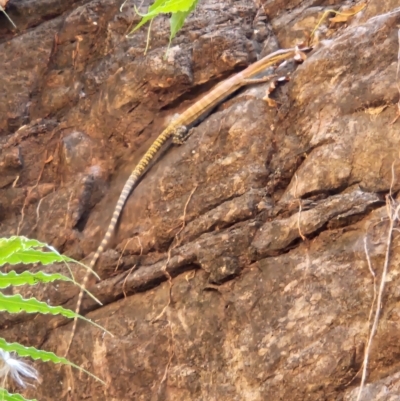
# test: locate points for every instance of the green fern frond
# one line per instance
(12, 278)
(16, 250)
(44, 356)
(180, 9)
(6, 396)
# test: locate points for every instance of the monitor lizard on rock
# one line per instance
(179, 130)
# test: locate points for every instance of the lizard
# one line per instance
(179, 131)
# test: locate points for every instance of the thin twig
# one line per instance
(379, 297)
(133, 267)
(393, 217)
(148, 38)
(171, 355)
(28, 194)
(392, 182)
(171, 342)
(37, 216)
(171, 248)
(68, 207)
(123, 250)
(299, 213)
(369, 263)
(397, 80)
(4, 12)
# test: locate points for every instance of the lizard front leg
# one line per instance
(251, 81)
(181, 134)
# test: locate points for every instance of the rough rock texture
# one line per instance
(239, 268)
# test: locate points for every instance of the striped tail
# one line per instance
(132, 180)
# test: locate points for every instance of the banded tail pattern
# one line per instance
(132, 180)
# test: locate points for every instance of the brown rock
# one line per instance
(239, 267)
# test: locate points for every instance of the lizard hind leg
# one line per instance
(180, 135)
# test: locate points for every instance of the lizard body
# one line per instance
(178, 129)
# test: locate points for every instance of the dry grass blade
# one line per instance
(393, 209)
(397, 80)
(3, 4)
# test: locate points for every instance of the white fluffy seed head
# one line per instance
(18, 371)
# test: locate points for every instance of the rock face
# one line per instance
(239, 270)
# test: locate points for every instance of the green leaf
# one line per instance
(17, 304)
(34, 256)
(173, 6)
(177, 20)
(13, 244)
(32, 352)
(20, 242)
(165, 7)
(170, 6)
(44, 356)
(140, 24)
(23, 250)
(6, 396)
(153, 7)
(16, 250)
(13, 278)
(19, 249)
(156, 4)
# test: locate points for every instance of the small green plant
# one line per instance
(179, 10)
(16, 250)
